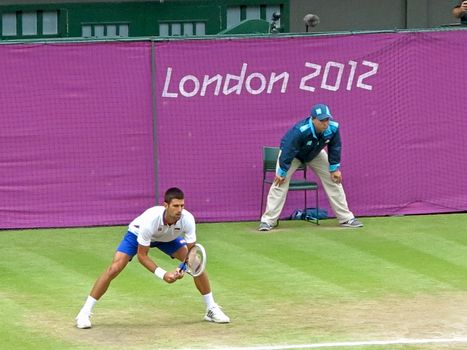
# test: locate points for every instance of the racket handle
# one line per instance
(182, 266)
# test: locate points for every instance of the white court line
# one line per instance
(356, 343)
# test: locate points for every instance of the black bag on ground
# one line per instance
(309, 214)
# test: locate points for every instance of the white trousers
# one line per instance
(335, 192)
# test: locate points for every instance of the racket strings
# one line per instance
(195, 261)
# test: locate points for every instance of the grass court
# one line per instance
(299, 285)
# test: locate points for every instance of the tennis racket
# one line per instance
(195, 261)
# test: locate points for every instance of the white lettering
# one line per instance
(353, 67)
(261, 87)
(373, 71)
(165, 92)
(238, 87)
(303, 81)
(182, 89)
(331, 76)
(254, 83)
(206, 82)
(324, 82)
(285, 79)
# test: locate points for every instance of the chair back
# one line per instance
(270, 155)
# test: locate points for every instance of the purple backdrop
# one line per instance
(77, 142)
(76, 134)
(398, 98)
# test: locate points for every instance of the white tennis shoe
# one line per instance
(215, 314)
(264, 226)
(83, 320)
(353, 223)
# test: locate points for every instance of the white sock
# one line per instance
(209, 300)
(88, 305)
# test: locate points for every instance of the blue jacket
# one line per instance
(302, 142)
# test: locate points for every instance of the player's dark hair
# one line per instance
(173, 193)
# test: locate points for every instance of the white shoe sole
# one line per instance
(209, 319)
(351, 226)
(80, 326)
(83, 325)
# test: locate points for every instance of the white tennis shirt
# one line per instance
(149, 227)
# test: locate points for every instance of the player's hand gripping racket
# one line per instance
(195, 261)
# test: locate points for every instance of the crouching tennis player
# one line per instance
(171, 229)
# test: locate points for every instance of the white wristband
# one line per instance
(160, 272)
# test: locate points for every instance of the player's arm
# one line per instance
(147, 262)
(189, 230)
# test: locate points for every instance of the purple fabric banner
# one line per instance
(76, 134)
(76, 124)
(398, 98)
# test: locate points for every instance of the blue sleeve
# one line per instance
(290, 147)
(334, 151)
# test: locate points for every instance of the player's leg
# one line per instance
(102, 283)
(276, 199)
(335, 192)
(125, 251)
(178, 249)
(214, 312)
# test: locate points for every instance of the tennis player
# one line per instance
(171, 229)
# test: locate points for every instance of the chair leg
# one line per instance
(304, 210)
(317, 207)
(262, 202)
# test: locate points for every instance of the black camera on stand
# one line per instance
(273, 28)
